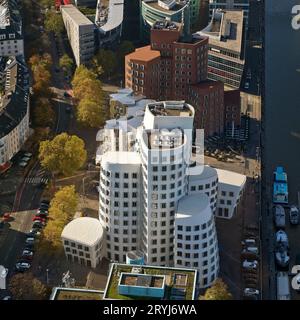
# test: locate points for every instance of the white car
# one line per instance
(253, 250)
(23, 164)
(251, 292)
(250, 264)
(247, 85)
(294, 215)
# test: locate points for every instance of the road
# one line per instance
(29, 194)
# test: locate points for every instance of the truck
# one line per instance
(283, 286)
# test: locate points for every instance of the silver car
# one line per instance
(279, 216)
(294, 215)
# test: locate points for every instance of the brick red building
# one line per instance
(174, 67)
(232, 107)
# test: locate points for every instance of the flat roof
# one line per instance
(76, 15)
(201, 172)
(121, 157)
(59, 293)
(187, 288)
(171, 109)
(144, 54)
(232, 178)
(177, 7)
(84, 230)
(115, 15)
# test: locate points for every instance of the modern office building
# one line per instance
(230, 5)
(164, 10)
(133, 282)
(226, 47)
(14, 109)
(11, 32)
(150, 184)
(81, 33)
(82, 239)
(109, 20)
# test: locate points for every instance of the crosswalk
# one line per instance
(36, 180)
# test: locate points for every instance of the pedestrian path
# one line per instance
(36, 180)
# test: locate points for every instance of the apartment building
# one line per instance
(226, 47)
(80, 32)
(11, 32)
(156, 197)
(14, 109)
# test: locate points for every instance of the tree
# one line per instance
(43, 114)
(107, 60)
(64, 154)
(218, 291)
(54, 22)
(24, 286)
(66, 63)
(125, 48)
(91, 113)
(62, 209)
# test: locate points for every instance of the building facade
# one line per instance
(80, 32)
(82, 239)
(14, 109)
(11, 31)
(142, 185)
(226, 47)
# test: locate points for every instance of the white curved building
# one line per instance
(155, 199)
(196, 244)
(119, 202)
(83, 241)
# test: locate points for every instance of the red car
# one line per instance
(6, 216)
(39, 219)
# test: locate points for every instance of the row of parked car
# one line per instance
(39, 221)
(282, 256)
(250, 263)
(26, 157)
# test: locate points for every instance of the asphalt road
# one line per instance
(29, 195)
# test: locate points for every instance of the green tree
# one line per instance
(66, 63)
(218, 291)
(54, 22)
(91, 113)
(125, 48)
(107, 60)
(65, 154)
(24, 286)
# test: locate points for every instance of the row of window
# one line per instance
(117, 175)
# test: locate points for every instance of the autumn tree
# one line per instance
(218, 291)
(92, 109)
(62, 209)
(66, 63)
(65, 154)
(54, 22)
(43, 114)
(24, 286)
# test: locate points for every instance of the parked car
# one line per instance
(42, 210)
(250, 264)
(23, 164)
(22, 266)
(253, 250)
(251, 292)
(29, 240)
(45, 201)
(27, 254)
(29, 247)
(294, 215)
(28, 154)
(249, 242)
(38, 225)
(281, 237)
(34, 232)
(283, 286)
(6, 216)
(7, 298)
(247, 85)
(37, 218)
(279, 216)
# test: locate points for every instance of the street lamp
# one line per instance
(47, 270)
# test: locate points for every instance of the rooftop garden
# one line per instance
(62, 294)
(112, 290)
